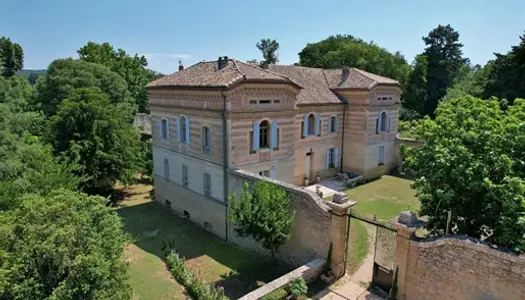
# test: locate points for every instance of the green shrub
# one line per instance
(298, 287)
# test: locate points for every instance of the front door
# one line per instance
(307, 166)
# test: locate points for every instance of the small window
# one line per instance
(276, 101)
(389, 98)
(311, 124)
(183, 129)
(206, 138)
(185, 176)
(383, 121)
(333, 122)
(381, 155)
(253, 101)
(207, 184)
(166, 169)
(165, 129)
(263, 134)
(265, 101)
(331, 158)
(378, 98)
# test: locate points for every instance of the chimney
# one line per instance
(265, 64)
(181, 67)
(222, 62)
(345, 74)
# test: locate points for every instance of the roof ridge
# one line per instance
(269, 71)
(237, 67)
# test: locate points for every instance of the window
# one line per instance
(265, 101)
(311, 124)
(253, 101)
(331, 158)
(207, 184)
(166, 168)
(276, 101)
(164, 129)
(206, 138)
(263, 134)
(185, 176)
(384, 121)
(333, 124)
(381, 156)
(183, 129)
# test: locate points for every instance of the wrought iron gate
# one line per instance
(384, 250)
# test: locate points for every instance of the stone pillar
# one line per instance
(406, 225)
(338, 232)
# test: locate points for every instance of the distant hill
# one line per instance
(26, 72)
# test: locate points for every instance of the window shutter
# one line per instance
(379, 122)
(305, 125)
(318, 124)
(336, 123)
(187, 130)
(168, 129)
(329, 124)
(161, 130)
(388, 121)
(256, 135)
(273, 173)
(377, 126)
(328, 159)
(177, 120)
(336, 157)
(274, 134)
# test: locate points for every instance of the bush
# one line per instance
(298, 287)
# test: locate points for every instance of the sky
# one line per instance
(195, 30)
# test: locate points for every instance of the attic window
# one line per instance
(265, 101)
(276, 101)
(253, 102)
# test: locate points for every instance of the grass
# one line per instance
(358, 246)
(212, 260)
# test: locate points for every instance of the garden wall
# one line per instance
(397, 148)
(457, 268)
(311, 231)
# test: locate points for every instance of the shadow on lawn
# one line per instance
(153, 227)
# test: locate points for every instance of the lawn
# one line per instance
(212, 260)
(358, 246)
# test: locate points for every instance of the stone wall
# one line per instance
(311, 232)
(407, 142)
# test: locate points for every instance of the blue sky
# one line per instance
(195, 30)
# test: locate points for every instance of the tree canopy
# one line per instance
(11, 57)
(345, 50)
(472, 164)
(65, 245)
(270, 50)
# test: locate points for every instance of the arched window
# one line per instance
(384, 120)
(311, 124)
(333, 126)
(263, 134)
(183, 129)
(165, 129)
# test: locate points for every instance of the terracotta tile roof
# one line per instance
(353, 78)
(206, 74)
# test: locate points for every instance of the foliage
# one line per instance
(298, 287)
(470, 81)
(416, 93)
(406, 129)
(11, 57)
(346, 50)
(472, 164)
(266, 215)
(131, 68)
(393, 290)
(183, 275)
(506, 78)
(65, 75)
(270, 50)
(97, 134)
(66, 245)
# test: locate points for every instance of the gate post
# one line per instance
(338, 232)
(406, 225)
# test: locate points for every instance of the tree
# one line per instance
(470, 81)
(265, 215)
(416, 93)
(346, 50)
(131, 68)
(96, 133)
(66, 245)
(65, 75)
(270, 50)
(506, 78)
(11, 57)
(444, 59)
(472, 165)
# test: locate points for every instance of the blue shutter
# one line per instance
(273, 173)
(168, 129)
(379, 122)
(161, 130)
(187, 130)
(336, 157)
(329, 124)
(328, 159)
(178, 129)
(318, 124)
(336, 123)
(274, 134)
(305, 125)
(388, 121)
(256, 135)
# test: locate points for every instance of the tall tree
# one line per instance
(471, 80)
(131, 68)
(416, 94)
(444, 59)
(265, 215)
(97, 134)
(66, 245)
(64, 75)
(472, 165)
(270, 50)
(345, 50)
(11, 57)
(506, 79)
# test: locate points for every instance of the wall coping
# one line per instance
(465, 241)
(320, 203)
(403, 139)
